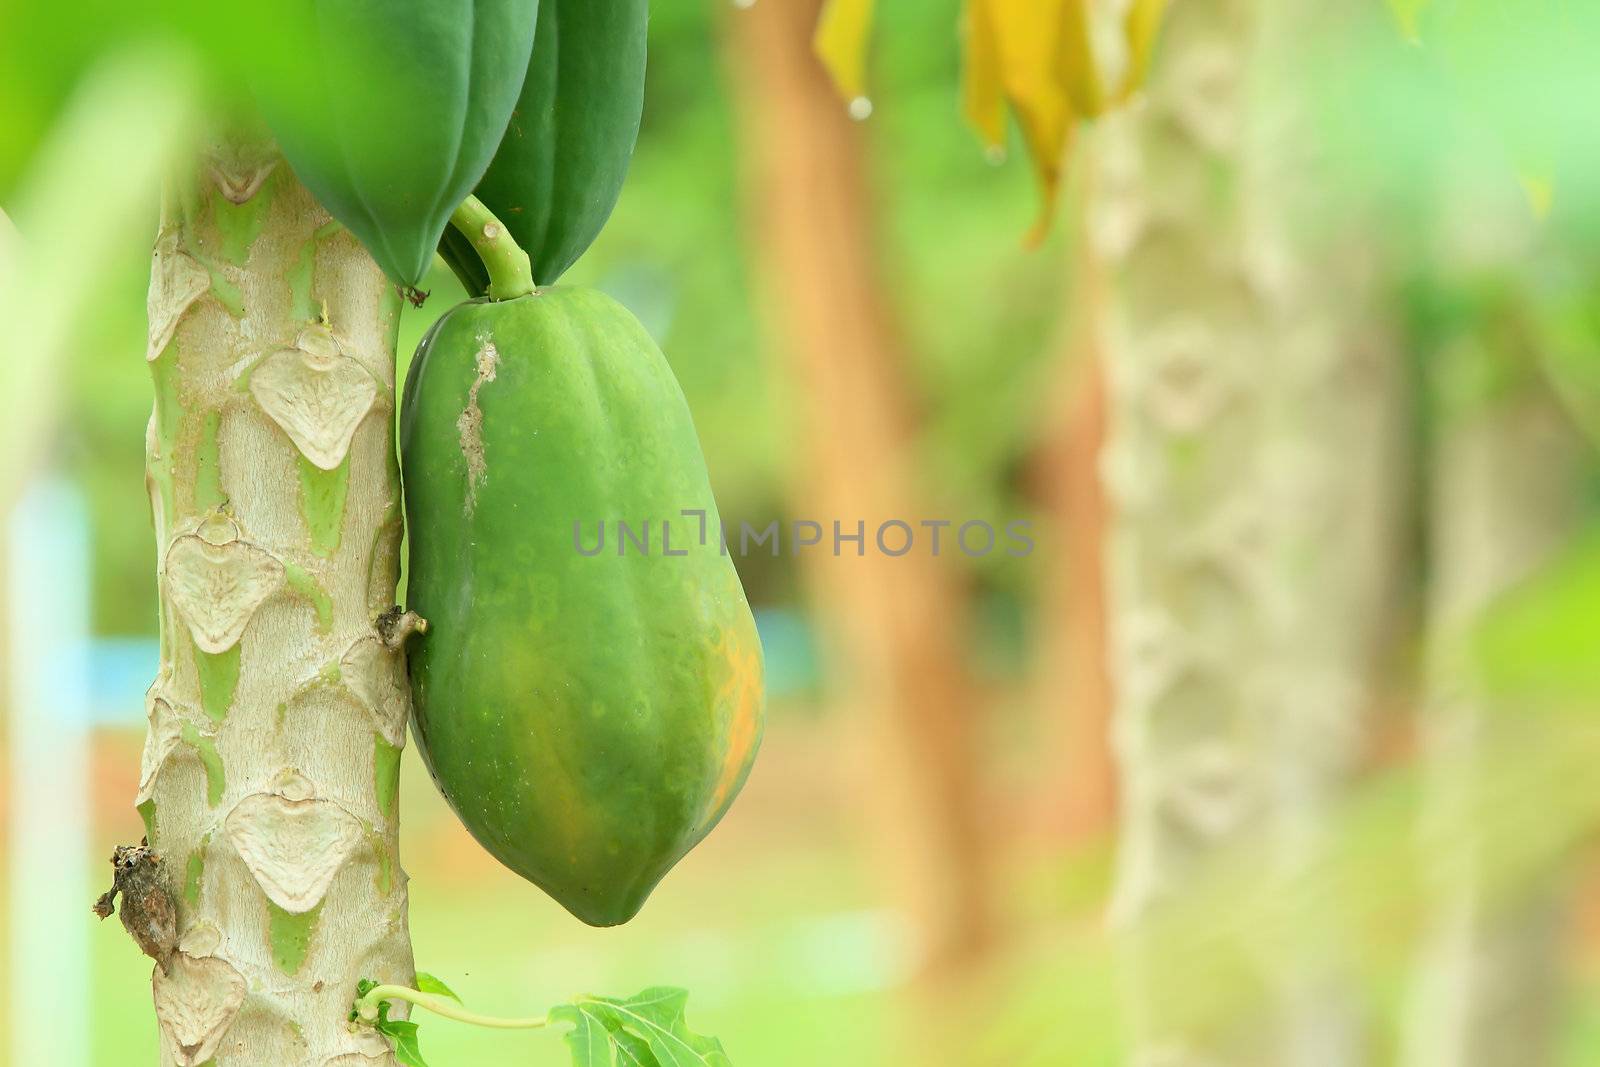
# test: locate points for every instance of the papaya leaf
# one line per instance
(590, 1041)
(841, 43)
(1076, 65)
(983, 97)
(1028, 44)
(633, 1051)
(427, 983)
(648, 1030)
(1141, 27)
(1035, 56)
(403, 1035)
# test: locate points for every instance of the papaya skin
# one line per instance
(590, 718)
(399, 113)
(559, 169)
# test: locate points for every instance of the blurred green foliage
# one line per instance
(46, 51)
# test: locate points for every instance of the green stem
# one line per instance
(510, 271)
(367, 1009)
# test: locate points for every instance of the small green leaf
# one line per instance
(633, 1051)
(427, 983)
(589, 1041)
(404, 1036)
(648, 1030)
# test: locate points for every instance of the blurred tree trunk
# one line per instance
(894, 628)
(277, 716)
(1509, 473)
(1072, 668)
(1249, 467)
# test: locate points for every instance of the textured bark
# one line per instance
(277, 718)
(896, 626)
(1248, 468)
(1508, 495)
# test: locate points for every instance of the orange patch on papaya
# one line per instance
(743, 691)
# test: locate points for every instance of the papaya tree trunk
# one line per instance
(1248, 466)
(269, 778)
(894, 626)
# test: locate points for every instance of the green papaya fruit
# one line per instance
(590, 715)
(409, 102)
(559, 170)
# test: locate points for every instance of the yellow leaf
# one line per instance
(1028, 35)
(841, 44)
(982, 94)
(1026, 32)
(1077, 67)
(1141, 28)
(1047, 150)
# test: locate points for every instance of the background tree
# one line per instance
(1507, 502)
(896, 626)
(1248, 549)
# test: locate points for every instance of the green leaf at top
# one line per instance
(646, 1030)
(427, 983)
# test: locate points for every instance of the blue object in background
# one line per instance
(790, 650)
(120, 670)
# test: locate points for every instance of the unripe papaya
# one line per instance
(558, 172)
(590, 715)
(401, 113)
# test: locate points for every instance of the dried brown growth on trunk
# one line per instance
(148, 912)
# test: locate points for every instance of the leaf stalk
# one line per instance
(366, 1008)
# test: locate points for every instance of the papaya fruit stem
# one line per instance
(366, 1009)
(510, 270)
